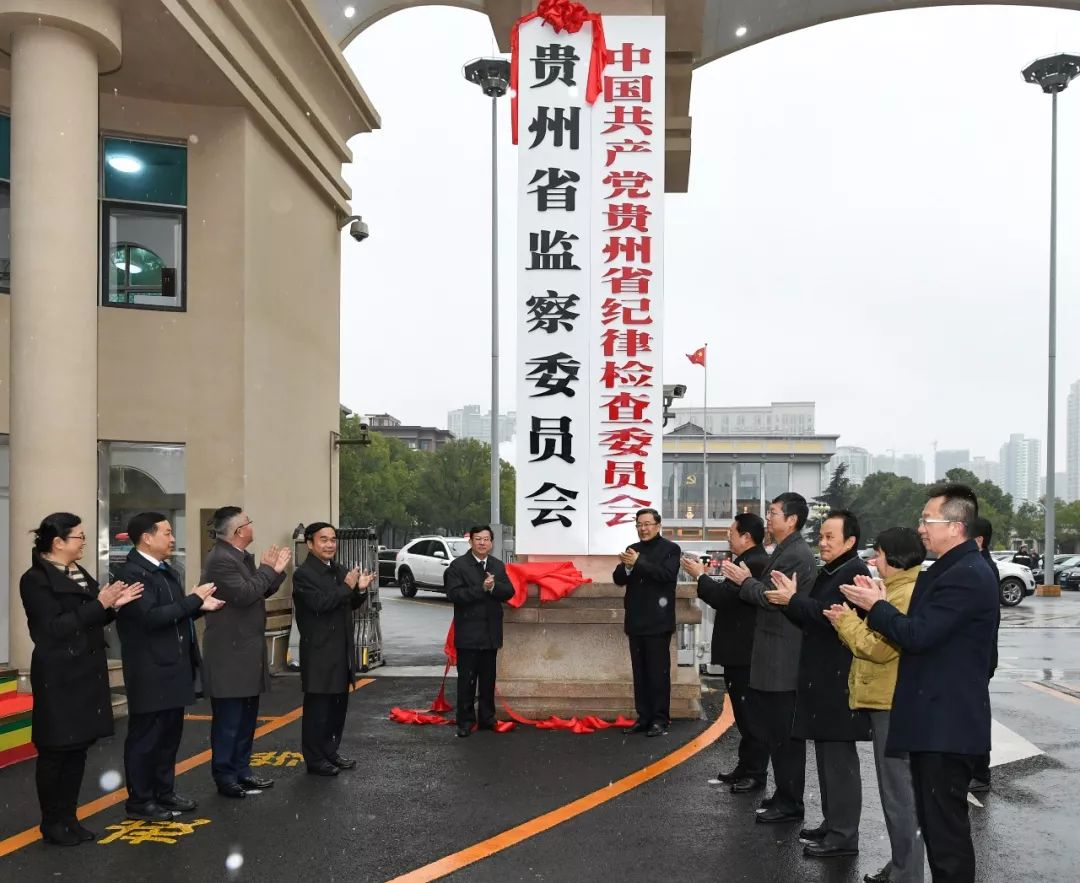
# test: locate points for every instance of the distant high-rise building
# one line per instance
(857, 461)
(986, 470)
(779, 418)
(1071, 489)
(468, 422)
(946, 460)
(905, 465)
(1021, 462)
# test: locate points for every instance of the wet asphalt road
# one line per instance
(420, 794)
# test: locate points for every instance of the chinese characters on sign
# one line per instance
(136, 832)
(590, 286)
(277, 758)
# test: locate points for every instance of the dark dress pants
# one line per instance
(941, 789)
(650, 661)
(774, 714)
(476, 669)
(59, 775)
(322, 726)
(232, 733)
(753, 753)
(153, 738)
(841, 792)
(981, 771)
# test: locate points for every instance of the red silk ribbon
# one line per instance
(562, 15)
(555, 579)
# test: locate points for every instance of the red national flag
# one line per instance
(697, 357)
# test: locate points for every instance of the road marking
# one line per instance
(511, 837)
(1007, 746)
(210, 717)
(1050, 690)
(32, 835)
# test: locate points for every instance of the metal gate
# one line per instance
(359, 547)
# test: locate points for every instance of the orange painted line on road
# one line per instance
(511, 837)
(210, 717)
(32, 835)
(1050, 691)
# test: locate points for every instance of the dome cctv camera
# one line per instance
(358, 230)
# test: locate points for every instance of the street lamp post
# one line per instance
(492, 75)
(1053, 74)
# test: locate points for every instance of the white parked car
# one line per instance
(1017, 581)
(421, 563)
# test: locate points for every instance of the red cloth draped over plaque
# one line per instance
(555, 579)
(562, 15)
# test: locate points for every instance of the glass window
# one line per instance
(142, 171)
(5, 147)
(777, 478)
(667, 509)
(721, 479)
(144, 257)
(5, 237)
(748, 490)
(688, 480)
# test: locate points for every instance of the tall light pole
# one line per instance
(492, 75)
(1053, 74)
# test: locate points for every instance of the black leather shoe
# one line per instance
(745, 786)
(255, 783)
(322, 769)
(656, 730)
(729, 778)
(176, 803)
(638, 727)
(881, 876)
(343, 763)
(765, 804)
(463, 732)
(821, 850)
(813, 835)
(978, 787)
(147, 812)
(59, 834)
(85, 835)
(232, 789)
(773, 816)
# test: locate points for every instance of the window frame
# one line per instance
(5, 187)
(105, 257)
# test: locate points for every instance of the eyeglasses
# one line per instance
(81, 537)
(247, 523)
(645, 523)
(925, 521)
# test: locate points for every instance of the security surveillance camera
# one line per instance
(492, 75)
(358, 230)
(674, 391)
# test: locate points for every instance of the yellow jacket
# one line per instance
(872, 678)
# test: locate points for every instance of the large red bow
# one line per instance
(562, 15)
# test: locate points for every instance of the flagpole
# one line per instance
(705, 447)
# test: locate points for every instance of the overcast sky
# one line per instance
(867, 227)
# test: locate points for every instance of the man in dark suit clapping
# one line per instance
(324, 597)
(941, 707)
(477, 584)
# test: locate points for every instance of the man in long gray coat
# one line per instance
(774, 660)
(235, 667)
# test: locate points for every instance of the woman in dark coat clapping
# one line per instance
(69, 674)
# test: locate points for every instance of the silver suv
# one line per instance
(421, 563)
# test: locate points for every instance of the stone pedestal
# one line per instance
(1047, 591)
(570, 658)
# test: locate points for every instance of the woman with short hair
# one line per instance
(69, 675)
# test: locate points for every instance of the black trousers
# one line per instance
(753, 753)
(841, 792)
(941, 788)
(981, 770)
(476, 672)
(322, 726)
(59, 775)
(774, 714)
(153, 738)
(650, 661)
(232, 733)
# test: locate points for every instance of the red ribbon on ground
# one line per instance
(555, 579)
(562, 15)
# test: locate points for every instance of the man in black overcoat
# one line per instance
(161, 662)
(649, 569)
(732, 645)
(477, 584)
(822, 711)
(325, 595)
(941, 707)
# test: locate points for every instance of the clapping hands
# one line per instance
(117, 594)
(206, 592)
(865, 593)
(783, 590)
(276, 557)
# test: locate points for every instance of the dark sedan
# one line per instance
(1062, 563)
(1070, 580)
(387, 563)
